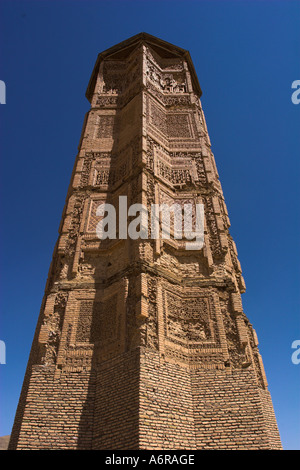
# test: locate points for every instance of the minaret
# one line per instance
(142, 342)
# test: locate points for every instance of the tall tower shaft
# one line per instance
(143, 343)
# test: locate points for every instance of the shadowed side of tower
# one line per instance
(141, 342)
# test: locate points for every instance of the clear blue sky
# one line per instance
(246, 55)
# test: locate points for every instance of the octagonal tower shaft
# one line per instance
(141, 343)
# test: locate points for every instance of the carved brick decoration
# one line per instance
(188, 320)
(105, 127)
(141, 344)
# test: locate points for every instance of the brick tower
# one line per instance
(142, 343)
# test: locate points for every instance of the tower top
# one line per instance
(123, 49)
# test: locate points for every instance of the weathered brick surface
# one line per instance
(269, 419)
(140, 401)
(141, 343)
(116, 410)
(58, 411)
(202, 409)
(166, 405)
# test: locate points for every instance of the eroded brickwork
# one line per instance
(58, 411)
(141, 343)
(204, 408)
